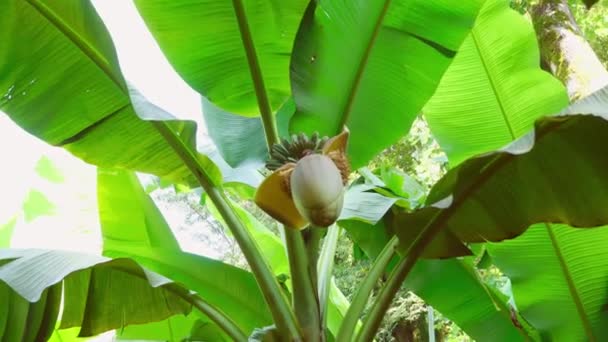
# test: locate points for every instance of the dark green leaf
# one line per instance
(454, 288)
(559, 279)
(450, 286)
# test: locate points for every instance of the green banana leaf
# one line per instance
(495, 89)
(558, 276)
(132, 227)
(94, 288)
(371, 65)
(194, 327)
(146, 225)
(61, 82)
(201, 39)
(24, 321)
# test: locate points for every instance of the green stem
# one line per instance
(574, 293)
(352, 92)
(305, 302)
(281, 312)
(385, 297)
(270, 126)
(218, 317)
(347, 330)
(325, 268)
(404, 266)
(312, 240)
(303, 288)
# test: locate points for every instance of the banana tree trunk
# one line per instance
(564, 50)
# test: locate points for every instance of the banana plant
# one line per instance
(330, 84)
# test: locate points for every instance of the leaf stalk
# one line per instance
(347, 330)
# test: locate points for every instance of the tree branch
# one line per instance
(564, 50)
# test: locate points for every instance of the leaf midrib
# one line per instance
(81, 43)
(220, 289)
(580, 309)
(436, 223)
(493, 85)
(361, 68)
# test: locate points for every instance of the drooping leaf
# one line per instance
(495, 89)
(241, 140)
(362, 203)
(403, 185)
(60, 81)
(133, 227)
(371, 65)
(95, 288)
(455, 289)
(23, 321)
(553, 174)
(558, 276)
(203, 330)
(128, 215)
(67, 335)
(176, 328)
(228, 288)
(201, 39)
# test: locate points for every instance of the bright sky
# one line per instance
(144, 66)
